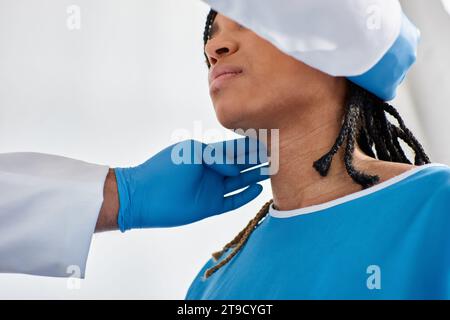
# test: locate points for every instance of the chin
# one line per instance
(236, 122)
(229, 119)
(234, 115)
(228, 114)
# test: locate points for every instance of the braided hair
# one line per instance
(364, 122)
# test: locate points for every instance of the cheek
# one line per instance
(270, 92)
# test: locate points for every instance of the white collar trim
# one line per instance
(311, 209)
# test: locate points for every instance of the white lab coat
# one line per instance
(49, 207)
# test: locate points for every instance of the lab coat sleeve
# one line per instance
(49, 207)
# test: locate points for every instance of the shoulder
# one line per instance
(433, 182)
(439, 183)
(387, 170)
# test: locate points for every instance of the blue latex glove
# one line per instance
(161, 193)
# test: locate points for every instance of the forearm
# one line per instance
(107, 219)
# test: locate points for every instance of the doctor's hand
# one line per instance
(187, 182)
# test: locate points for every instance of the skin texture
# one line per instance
(276, 91)
(107, 218)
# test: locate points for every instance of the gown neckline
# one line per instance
(350, 197)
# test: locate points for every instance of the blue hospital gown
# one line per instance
(390, 241)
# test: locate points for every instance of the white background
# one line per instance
(115, 91)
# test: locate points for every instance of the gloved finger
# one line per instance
(255, 153)
(252, 160)
(249, 146)
(232, 170)
(235, 201)
(215, 157)
(229, 170)
(230, 157)
(239, 148)
(245, 179)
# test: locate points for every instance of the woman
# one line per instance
(344, 223)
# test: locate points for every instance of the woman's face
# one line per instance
(260, 85)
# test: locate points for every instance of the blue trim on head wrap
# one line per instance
(385, 77)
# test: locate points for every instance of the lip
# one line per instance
(220, 74)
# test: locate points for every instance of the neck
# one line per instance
(304, 138)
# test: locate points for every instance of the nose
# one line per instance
(218, 48)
